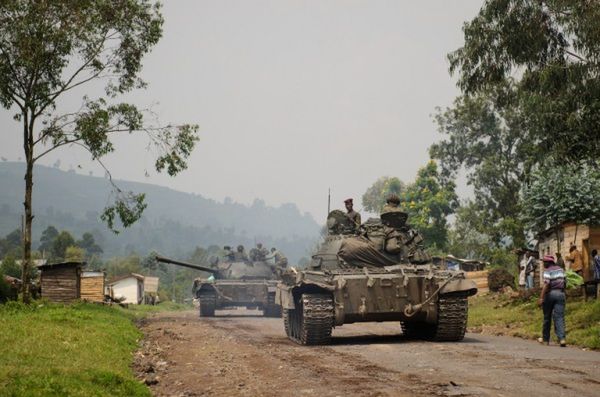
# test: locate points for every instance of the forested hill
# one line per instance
(174, 223)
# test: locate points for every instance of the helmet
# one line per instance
(393, 198)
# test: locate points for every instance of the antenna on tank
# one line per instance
(328, 200)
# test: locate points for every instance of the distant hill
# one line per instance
(174, 222)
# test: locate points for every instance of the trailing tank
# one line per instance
(250, 284)
(379, 272)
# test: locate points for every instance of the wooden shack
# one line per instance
(585, 237)
(92, 286)
(61, 282)
(150, 290)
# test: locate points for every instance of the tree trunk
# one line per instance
(557, 238)
(28, 147)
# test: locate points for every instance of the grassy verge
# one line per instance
(502, 315)
(77, 350)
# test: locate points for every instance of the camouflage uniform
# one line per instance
(261, 252)
(354, 217)
(228, 254)
(240, 254)
(279, 258)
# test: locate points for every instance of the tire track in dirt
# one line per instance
(183, 356)
(241, 355)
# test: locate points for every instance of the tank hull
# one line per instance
(221, 294)
(411, 295)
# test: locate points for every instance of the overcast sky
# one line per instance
(292, 97)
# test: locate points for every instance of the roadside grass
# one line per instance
(499, 314)
(140, 311)
(76, 350)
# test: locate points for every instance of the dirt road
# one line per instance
(241, 354)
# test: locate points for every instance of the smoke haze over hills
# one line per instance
(174, 223)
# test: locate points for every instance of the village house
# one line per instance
(61, 282)
(586, 238)
(130, 287)
(92, 286)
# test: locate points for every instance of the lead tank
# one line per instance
(378, 273)
(250, 284)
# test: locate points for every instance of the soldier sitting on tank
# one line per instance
(261, 252)
(240, 254)
(228, 254)
(279, 259)
(351, 214)
(392, 203)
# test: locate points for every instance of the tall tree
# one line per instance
(374, 198)
(47, 238)
(550, 49)
(11, 243)
(484, 134)
(49, 48)
(60, 244)
(88, 244)
(428, 203)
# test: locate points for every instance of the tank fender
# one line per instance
(285, 293)
(284, 297)
(458, 285)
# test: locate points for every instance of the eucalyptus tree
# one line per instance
(550, 49)
(51, 49)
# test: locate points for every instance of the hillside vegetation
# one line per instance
(174, 222)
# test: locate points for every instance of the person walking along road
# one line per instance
(552, 301)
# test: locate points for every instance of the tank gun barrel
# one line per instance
(186, 264)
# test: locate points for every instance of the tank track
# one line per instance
(312, 320)
(453, 312)
(271, 309)
(451, 325)
(208, 302)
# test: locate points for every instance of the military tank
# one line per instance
(377, 273)
(234, 284)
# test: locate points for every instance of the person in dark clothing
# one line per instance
(552, 301)
(596, 261)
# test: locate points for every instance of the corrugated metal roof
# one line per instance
(139, 277)
(48, 265)
(92, 274)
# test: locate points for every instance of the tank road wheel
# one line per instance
(271, 309)
(312, 320)
(208, 301)
(286, 322)
(453, 312)
(417, 330)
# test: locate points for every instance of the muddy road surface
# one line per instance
(240, 353)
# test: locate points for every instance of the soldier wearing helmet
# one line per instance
(240, 254)
(261, 252)
(392, 203)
